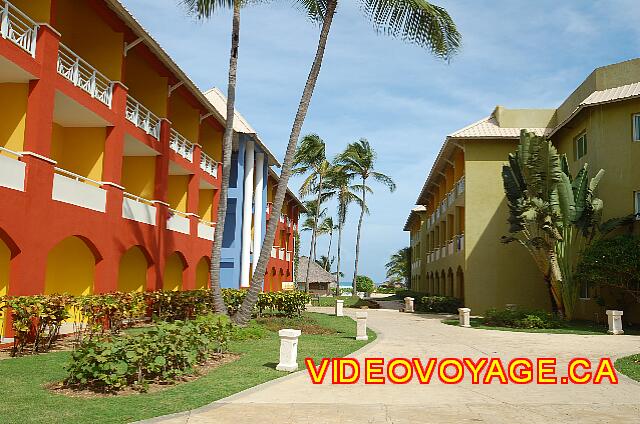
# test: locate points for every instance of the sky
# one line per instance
(515, 53)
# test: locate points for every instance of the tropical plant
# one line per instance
(310, 158)
(327, 227)
(359, 162)
(612, 262)
(553, 215)
(325, 262)
(398, 267)
(365, 284)
(420, 23)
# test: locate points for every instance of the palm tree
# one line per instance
(204, 9)
(359, 161)
(418, 22)
(326, 227)
(398, 265)
(339, 185)
(310, 158)
(325, 262)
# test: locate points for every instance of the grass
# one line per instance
(349, 302)
(629, 366)
(570, 327)
(22, 379)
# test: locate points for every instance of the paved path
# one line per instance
(293, 399)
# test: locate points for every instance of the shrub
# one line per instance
(438, 304)
(517, 318)
(365, 284)
(162, 354)
(107, 312)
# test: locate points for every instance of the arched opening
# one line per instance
(443, 284)
(71, 268)
(7, 251)
(173, 271)
(202, 274)
(460, 284)
(450, 282)
(132, 274)
(436, 290)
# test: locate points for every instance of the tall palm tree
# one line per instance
(359, 161)
(398, 265)
(310, 158)
(326, 227)
(418, 22)
(340, 187)
(204, 9)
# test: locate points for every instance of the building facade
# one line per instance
(109, 160)
(462, 213)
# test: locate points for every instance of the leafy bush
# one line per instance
(517, 318)
(162, 354)
(365, 284)
(107, 312)
(438, 304)
(290, 303)
(385, 290)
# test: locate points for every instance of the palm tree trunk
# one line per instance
(329, 250)
(338, 265)
(362, 209)
(314, 235)
(244, 314)
(227, 143)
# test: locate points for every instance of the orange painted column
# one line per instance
(161, 250)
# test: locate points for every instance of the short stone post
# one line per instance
(408, 304)
(288, 350)
(361, 326)
(615, 322)
(339, 306)
(464, 314)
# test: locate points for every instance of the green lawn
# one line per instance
(349, 302)
(572, 327)
(26, 400)
(629, 366)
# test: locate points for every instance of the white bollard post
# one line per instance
(339, 306)
(464, 314)
(288, 350)
(361, 326)
(408, 304)
(615, 322)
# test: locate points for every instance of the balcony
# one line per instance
(84, 76)
(181, 145)
(274, 252)
(459, 188)
(18, 28)
(12, 171)
(289, 255)
(143, 118)
(281, 218)
(78, 190)
(459, 242)
(208, 165)
(179, 222)
(281, 253)
(450, 247)
(206, 230)
(138, 209)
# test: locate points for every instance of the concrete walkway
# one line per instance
(293, 399)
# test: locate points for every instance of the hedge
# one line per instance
(439, 304)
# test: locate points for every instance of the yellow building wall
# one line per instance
(173, 273)
(496, 274)
(184, 118)
(13, 119)
(38, 11)
(458, 160)
(146, 85)
(271, 190)
(138, 175)
(5, 261)
(202, 274)
(211, 141)
(448, 179)
(80, 27)
(610, 146)
(205, 206)
(70, 268)
(79, 150)
(177, 192)
(132, 274)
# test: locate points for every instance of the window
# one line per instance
(637, 202)
(636, 127)
(584, 291)
(580, 146)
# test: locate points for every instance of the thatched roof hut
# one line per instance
(320, 281)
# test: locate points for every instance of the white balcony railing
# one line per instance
(181, 145)
(206, 230)
(84, 76)
(143, 118)
(77, 190)
(138, 209)
(18, 28)
(12, 170)
(450, 248)
(460, 186)
(179, 222)
(443, 251)
(289, 255)
(437, 254)
(274, 252)
(281, 253)
(281, 218)
(208, 165)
